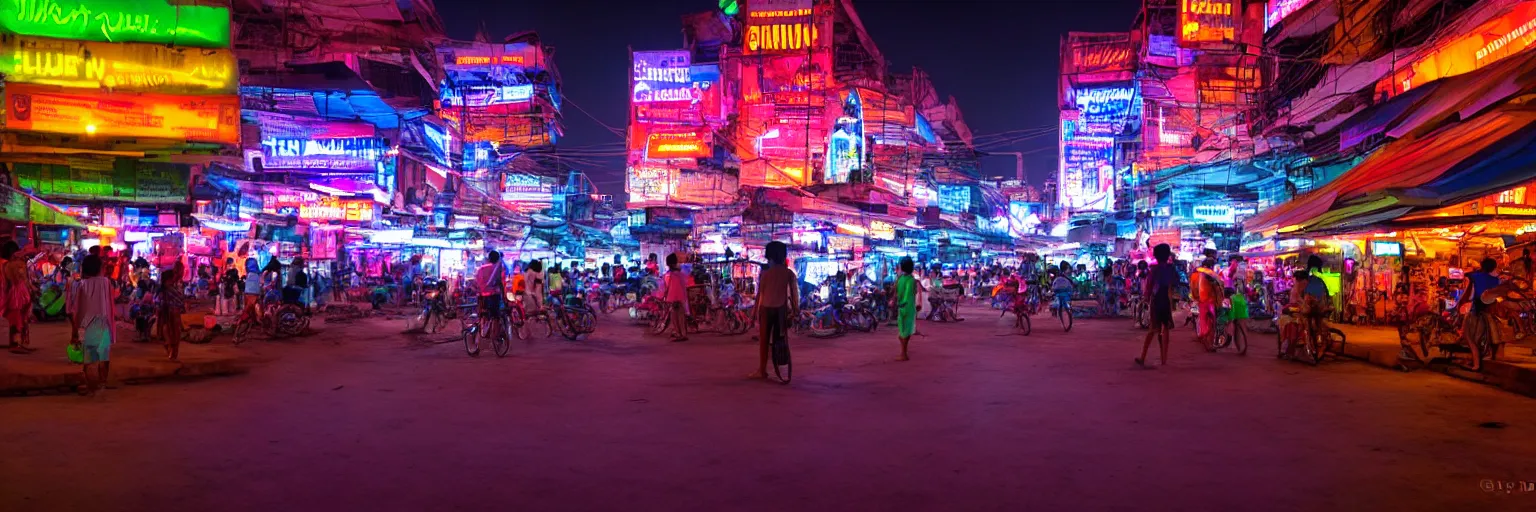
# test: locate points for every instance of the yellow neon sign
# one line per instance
(125, 66)
(781, 37)
(191, 118)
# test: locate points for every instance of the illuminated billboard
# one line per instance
(776, 26)
(1098, 57)
(135, 67)
(118, 21)
(527, 188)
(282, 126)
(845, 146)
(675, 144)
(484, 56)
(1204, 22)
(954, 198)
(649, 183)
(342, 154)
(1276, 10)
(1105, 110)
(191, 118)
(1085, 179)
(1488, 43)
(313, 206)
(485, 95)
(669, 67)
(478, 125)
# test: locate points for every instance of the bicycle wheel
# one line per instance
(472, 342)
(499, 341)
(1021, 325)
(1141, 315)
(567, 324)
(518, 324)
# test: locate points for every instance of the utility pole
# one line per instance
(1019, 164)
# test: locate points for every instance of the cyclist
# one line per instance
(491, 280)
(1062, 287)
(1207, 287)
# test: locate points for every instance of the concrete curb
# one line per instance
(126, 372)
(1509, 377)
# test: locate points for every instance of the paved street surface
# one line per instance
(360, 417)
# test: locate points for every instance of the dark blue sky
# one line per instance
(998, 58)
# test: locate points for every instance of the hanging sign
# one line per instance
(1276, 10)
(670, 66)
(128, 67)
(191, 118)
(690, 144)
(282, 126)
(649, 184)
(780, 25)
(484, 95)
(1207, 21)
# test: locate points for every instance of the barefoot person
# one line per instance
(1158, 288)
(778, 293)
(90, 307)
(172, 305)
(905, 303)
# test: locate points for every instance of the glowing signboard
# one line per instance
(348, 154)
(472, 56)
(646, 92)
(670, 66)
(954, 198)
(313, 206)
(1086, 174)
(881, 230)
(527, 188)
(192, 118)
(138, 67)
(1276, 10)
(690, 144)
(780, 25)
(484, 95)
(1207, 21)
(845, 147)
(1490, 42)
(649, 184)
(1104, 110)
(283, 126)
(118, 21)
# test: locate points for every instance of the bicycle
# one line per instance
(491, 325)
(1062, 310)
(1229, 333)
(1021, 323)
(573, 320)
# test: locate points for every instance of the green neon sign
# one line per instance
(118, 21)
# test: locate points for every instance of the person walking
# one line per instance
(906, 305)
(778, 297)
(676, 285)
(90, 308)
(172, 305)
(1157, 288)
(1207, 287)
(18, 297)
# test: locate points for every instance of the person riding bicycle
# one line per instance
(1310, 299)
(1062, 286)
(490, 278)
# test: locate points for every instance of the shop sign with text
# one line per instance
(191, 118)
(690, 144)
(118, 21)
(135, 67)
(1207, 21)
(349, 154)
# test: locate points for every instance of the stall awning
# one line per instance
(1406, 164)
(21, 207)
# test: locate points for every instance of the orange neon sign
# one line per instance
(1490, 42)
(1207, 21)
(476, 60)
(191, 118)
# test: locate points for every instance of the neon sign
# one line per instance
(312, 206)
(954, 198)
(527, 188)
(485, 95)
(881, 230)
(118, 21)
(1276, 10)
(483, 60)
(845, 147)
(141, 67)
(1490, 42)
(677, 145)
(348, 154)
(649, 184)
(1206, 21)
(670, 66)
(1104, 110)
(482, 55)
(781, 37)
(193, 118)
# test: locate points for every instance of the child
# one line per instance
(905, 303)
(676, 294)
(1238, 314)
(90, 306)
(1158, 291)
(1062, 287)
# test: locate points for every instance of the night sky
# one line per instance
(998, 58)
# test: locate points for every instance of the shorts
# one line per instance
(1063, 300)
(490, 305)
(1162, 314)
(906, 321)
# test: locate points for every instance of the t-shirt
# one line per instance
(1161, 278)
(1239, 307)
(1316, 288)
(1061, 285)
(488, 278)
(676, 283)
(1481, 282)
(906, 291)
(253, 283)
(534, 287)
